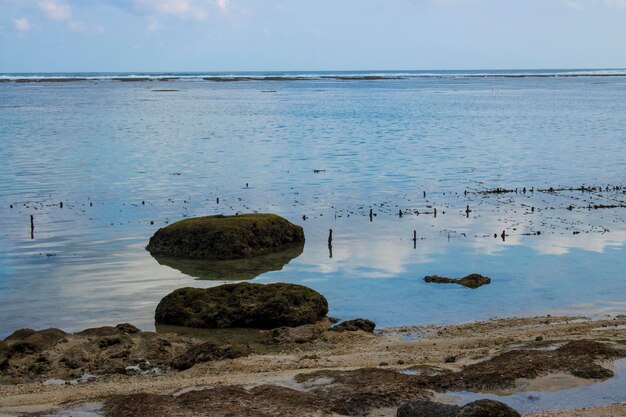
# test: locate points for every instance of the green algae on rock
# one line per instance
(242, 305)
(225, 237)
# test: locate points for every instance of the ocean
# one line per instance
(538, 155)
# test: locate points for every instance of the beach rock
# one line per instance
(301, 334)
(355, 325)
(20, 334)
(242, 305)
(209, 352)
(358, 392)
(232, 401)
(5, 354)
(39, 341)
(127, 328)
(421, 408)
(75, 358)
(487, 408)
(106, 331)
(225, 237)
(576, 358)
(471, 281)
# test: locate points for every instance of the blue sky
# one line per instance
(230, 35)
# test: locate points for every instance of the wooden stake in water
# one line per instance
(330, 243)
(371, 214)
(414, 239)
(32, 226)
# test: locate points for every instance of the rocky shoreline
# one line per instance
(307, 370)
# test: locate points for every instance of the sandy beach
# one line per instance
(394, 351)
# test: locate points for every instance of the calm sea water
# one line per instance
(126, 158)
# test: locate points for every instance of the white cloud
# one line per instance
(153, 23)
(187, 9)
(222, 4)
(22, 25)
(61, 11)
(574, 5)
(55, 10)
(616, 4)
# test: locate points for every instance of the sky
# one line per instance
(303, 35)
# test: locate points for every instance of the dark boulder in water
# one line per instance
(242, 305)
(225, 237)
(355, 325)
(480, 408)
(487, 408)
(470, 281)
(233, 269)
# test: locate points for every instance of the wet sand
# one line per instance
(399, 349)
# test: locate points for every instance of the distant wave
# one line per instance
(303, 76)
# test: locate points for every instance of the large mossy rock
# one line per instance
(242, 305)
(225, 237)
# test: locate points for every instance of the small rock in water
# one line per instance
(471, 281)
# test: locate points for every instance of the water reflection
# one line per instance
(232, 270)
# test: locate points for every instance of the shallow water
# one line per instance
(600, 394)
(120, 155)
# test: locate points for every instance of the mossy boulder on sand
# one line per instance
(225, 237)
(242, 305)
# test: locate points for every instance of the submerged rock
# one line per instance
(209, 352)
(355, 325)
(233, 269)
(242, 305)
(225, 237)
(470, 281)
